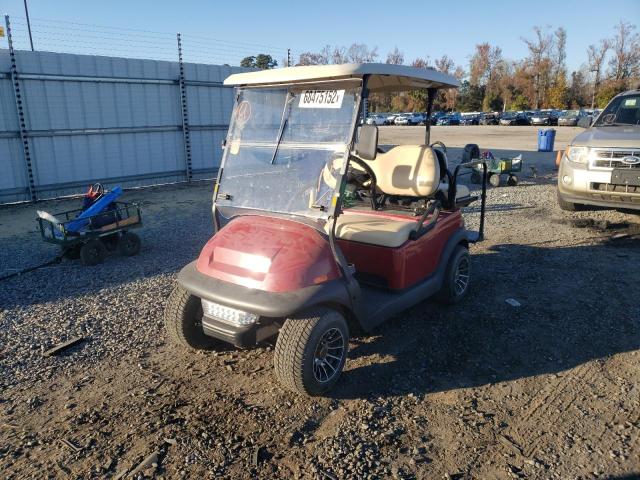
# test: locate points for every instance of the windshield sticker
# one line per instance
(630, 102)
(321, 99)
(244, 112)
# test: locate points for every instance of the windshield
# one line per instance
(621, 111)
(280, 140)
(571, 113)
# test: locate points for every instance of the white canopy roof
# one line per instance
(383, 76)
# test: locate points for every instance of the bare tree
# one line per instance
(421, 62)
(539, 61)
(395, 57)
(626, 47)
(561, 51)
(596, 56)
(360, 53)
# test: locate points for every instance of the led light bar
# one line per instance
(227, 314)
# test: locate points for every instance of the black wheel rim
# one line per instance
(328, 355)
(461, 278)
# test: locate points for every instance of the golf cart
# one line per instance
(318, 230)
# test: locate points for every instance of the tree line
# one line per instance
(491, 82)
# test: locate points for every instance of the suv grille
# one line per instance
(606, 158)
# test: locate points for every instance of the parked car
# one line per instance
(452, 119)
(544, 118)
(409, 119)
(601, 166)
(570, 118)
(391, 117)
(489, 118)
(514, 118)
(375, 119)
(473, 119)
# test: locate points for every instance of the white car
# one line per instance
(409, 119)
(376, 119)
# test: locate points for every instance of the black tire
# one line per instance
(471, 151)
(129, 244)
(495, 180)
(456, 277)
(183, 321)
(568, 206)
(476, 177)
(512, 181)
(297, 350)
(93, 252)
(72, 253)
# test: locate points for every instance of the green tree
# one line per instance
(520, 102)
(261, 61)
(558, 94)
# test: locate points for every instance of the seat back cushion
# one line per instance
(407, 170)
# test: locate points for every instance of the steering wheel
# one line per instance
(439, 144)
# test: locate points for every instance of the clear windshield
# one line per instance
(623, 110)
(285, 146)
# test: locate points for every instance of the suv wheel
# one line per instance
(311, 351)
(568, 206)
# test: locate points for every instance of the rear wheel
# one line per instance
(311, 351)
(476, 177)
(93, 252)
(129, 244)
(456, 278)
(183, 321)
(512, 181)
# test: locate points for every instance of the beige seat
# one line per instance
(374, 229)
(407, 170)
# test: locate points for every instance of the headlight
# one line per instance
(577, 154)
(228, 314)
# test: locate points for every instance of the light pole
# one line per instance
(26, 11)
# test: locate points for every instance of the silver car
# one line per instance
(601, 166)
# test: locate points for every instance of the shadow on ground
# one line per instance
(575, 308)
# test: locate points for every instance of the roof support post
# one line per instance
(431, 95)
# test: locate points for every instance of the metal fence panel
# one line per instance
(108, 119)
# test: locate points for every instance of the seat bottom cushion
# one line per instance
(374, 229)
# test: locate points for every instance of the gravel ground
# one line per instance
(548, 389)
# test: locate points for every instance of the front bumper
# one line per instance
(578, 184)
(271, 307)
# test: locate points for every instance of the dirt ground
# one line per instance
(482, 390)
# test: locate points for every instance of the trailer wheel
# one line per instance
(93, 252)
(456, 277)
(183, 321)
(495, 180)
(311, 351)
(129, 244)
(512, 181)
(72, 253)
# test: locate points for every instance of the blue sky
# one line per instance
(418, 28)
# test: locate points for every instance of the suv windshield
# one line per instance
(624, 110)
(280, 140)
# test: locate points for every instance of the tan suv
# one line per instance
(601, 166)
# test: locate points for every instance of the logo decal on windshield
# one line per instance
(244, 112)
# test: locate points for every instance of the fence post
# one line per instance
(186, 134)
(22, 126)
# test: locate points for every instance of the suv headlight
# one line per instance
(577, 154)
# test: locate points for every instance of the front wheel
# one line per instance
(455, 284)
(183, 321)
(495, 180)
(129, 244)
(311, 351)
(92, 252)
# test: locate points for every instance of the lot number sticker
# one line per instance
(321, 99)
